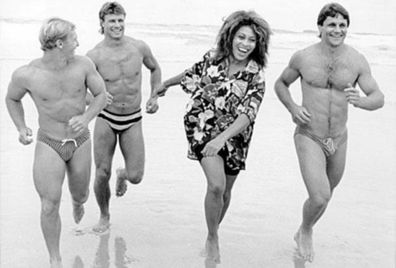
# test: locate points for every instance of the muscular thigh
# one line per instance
(48, 172)
(104, 144)
(336, 165)
(312, 162)
(79, 168)
(132, 147)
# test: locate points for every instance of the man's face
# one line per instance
(114, 25)
(334, 30)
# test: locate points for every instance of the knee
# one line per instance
(80, 197)
(321, 199)
(103, 174)
(217, 190)
(49, 207)
(135, 177)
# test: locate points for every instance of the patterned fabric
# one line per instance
(66, 147)
(120, 122)
(216, 101)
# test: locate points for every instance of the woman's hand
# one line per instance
(213, 146)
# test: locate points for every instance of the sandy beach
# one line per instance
(160, 222)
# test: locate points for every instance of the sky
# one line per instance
(367, 16)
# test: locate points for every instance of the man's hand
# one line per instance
(109, 99)
(352, 95)
(301, 116)
(152, 105)
(25, 136)
(78, 123)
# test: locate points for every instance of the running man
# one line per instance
(329, 72)
(57, 83)
(119, 60)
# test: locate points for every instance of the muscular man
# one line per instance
(119, 60)
(329, 72)
(57, 83)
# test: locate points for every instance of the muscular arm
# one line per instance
(299, 114)
(96, 86)
(16, 91)
(374, 97)
(288, 76)
(97, 89)
(89, 98)
(151, 63)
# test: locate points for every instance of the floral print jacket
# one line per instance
(217, 100)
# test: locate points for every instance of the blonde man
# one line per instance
(58, 83)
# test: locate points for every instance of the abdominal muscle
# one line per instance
(328, 108)
(55, 122)
(127, 96)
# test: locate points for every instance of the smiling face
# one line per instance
(114, 26)
(334, 30)
(244, 43)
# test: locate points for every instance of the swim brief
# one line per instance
(66, 147)
(120, 122)
(329, 145)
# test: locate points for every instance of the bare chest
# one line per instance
(53, 86)
(328, 73)
(114, 65)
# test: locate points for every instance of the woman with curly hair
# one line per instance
(226, 88)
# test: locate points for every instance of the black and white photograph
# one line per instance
(214, 133)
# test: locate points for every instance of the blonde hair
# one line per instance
(52, 30)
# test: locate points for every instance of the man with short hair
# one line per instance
(329, 71)
(57, 83)
(119, 60)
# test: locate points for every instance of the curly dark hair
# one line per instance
(232, 24)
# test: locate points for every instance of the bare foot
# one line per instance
(121, 184)
(212, 250)
(102, 226)
(210, 264)
(78, 212)
(304, 244)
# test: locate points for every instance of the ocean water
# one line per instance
(184, 44)
(370, 16)
(160, 223)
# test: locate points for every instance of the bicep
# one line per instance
(289, 75)
(94, 81)
(148, 58)
(365, 79)
(16, 89)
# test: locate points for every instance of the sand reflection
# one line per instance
(102, 255)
